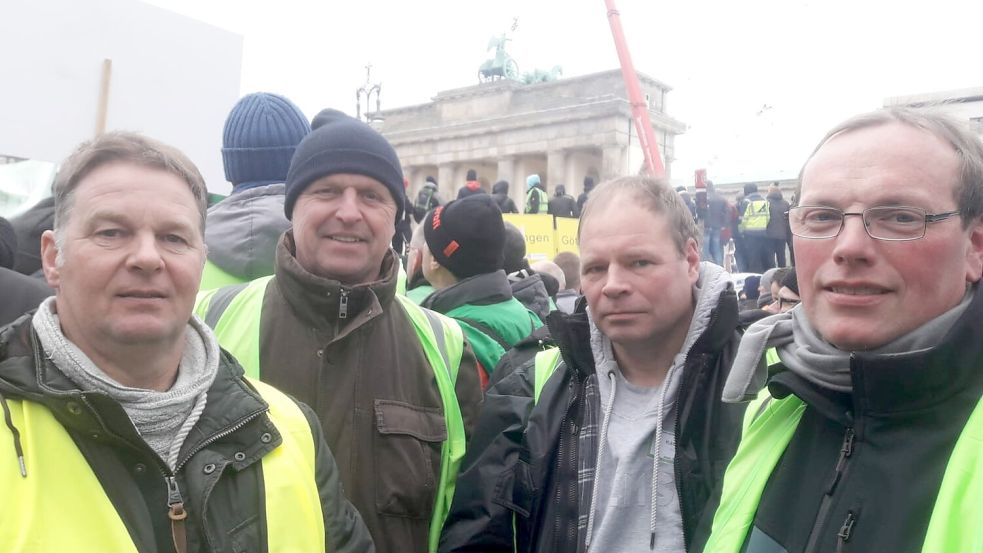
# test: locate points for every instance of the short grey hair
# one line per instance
(969, 188)
(122, 147)
(654, 194)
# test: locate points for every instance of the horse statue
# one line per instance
(501, 66)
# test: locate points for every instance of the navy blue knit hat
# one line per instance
(261, 133)
(344, 145)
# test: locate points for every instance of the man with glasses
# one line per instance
(867, 435)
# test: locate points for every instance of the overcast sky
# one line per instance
(757, 83)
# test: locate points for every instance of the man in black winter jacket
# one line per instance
(500, 192)
(616, 440)
(562, 204)
(868, 435)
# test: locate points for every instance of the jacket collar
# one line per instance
(885, 383)
(26, 373)
(484, 289)
(905, 382)
(318, 301)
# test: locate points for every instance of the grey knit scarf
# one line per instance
(804, 352)
(163, 419)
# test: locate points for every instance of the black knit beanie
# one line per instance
(343, 144)
(467, 236)
(259, 138)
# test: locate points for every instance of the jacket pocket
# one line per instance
(515, 490)
(407, 460)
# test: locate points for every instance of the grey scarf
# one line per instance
(804, 352)
(163, 419)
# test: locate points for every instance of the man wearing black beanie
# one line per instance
(463, 261)
(394, 385)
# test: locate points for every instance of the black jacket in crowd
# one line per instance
(19, 294)
(522, 461)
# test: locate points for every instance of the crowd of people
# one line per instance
(319, 362)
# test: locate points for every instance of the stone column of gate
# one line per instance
(613, 162)
(445, 182)
(556, 169)
(412, 174)
(506, 171)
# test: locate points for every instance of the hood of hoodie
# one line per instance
(242, 231)
(500, 188)
(473, 185)
(531, 292)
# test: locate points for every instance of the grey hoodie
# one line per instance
(627, 511)
(242, 231)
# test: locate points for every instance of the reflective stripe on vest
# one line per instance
(957, 518)
(234, 313)
(755, 216)
(546, 363)
(61, 506)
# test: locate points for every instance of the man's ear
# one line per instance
(692, 255)
(49, 259)
(974, 252)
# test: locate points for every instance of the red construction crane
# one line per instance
(639, 107)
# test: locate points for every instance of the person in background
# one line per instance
(260, 135)
(500, 193)
(417, 285)
(755, 215)
(29, 226)
(463, 261)
(788, 293)
(866, 436)
(426, 199)
(537, 200)
(777, 229)
(717, 219)
(18, 293)
(687, 199)
(582, 198)
(765, 295)
(401, 239)
(562, 204)
(471, 187)
(566, 298)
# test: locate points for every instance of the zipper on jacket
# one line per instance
(846, 529)
(846, 450)
(567, 541)
(177, 514)
(343, 304)
(678, 475)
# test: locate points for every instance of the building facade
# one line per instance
(563, 130)
(965, 104)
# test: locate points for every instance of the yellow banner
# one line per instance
(545, 235)
(566, 235)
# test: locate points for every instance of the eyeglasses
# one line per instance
(783, 302)
(893, 223)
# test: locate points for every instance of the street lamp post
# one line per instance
(367, 90)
